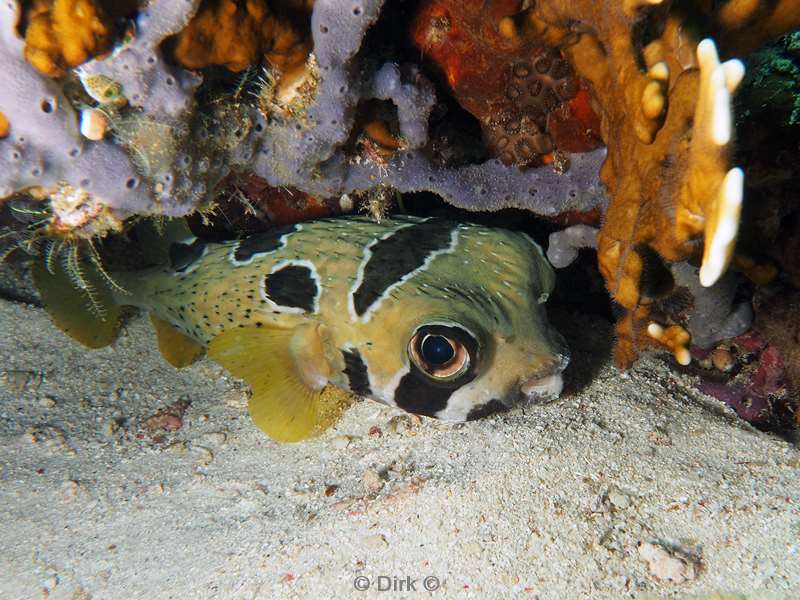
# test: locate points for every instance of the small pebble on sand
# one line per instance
(340, 442)
(666, 565)
(372, 480)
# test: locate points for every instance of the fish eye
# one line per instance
(439, 355)
(437, 350)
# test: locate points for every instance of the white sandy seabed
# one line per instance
(634, 486)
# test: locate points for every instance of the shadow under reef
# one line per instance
(590, 339)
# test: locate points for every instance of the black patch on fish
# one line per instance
(292, 286)
(261, 243)
(397, 256)
(419, 396)
(356, 371)
(484, 410)
(182, 255)
(420, 393)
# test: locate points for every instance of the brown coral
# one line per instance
(748, 24)
(667, 125)
(62, 34)
(237, 34)
(524, 94)
(666, 122)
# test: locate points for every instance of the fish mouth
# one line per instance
(547, 384)
(542, 389)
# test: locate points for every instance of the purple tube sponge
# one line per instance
(165, 158)
(563, 246)
(162, 91)
(716, 314)
(44, 149)
(413, 95)
(307, 154)
(489, 186)
(290, 151)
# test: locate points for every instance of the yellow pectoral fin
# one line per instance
(287, 373)
(178, 349)
(89, 315)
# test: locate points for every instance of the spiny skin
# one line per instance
(372, 286)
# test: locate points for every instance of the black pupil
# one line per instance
(437, 350)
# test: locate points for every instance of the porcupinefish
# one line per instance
(435, 317)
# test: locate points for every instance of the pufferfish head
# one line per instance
(467, 335)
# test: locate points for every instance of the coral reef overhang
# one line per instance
(616, 115)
